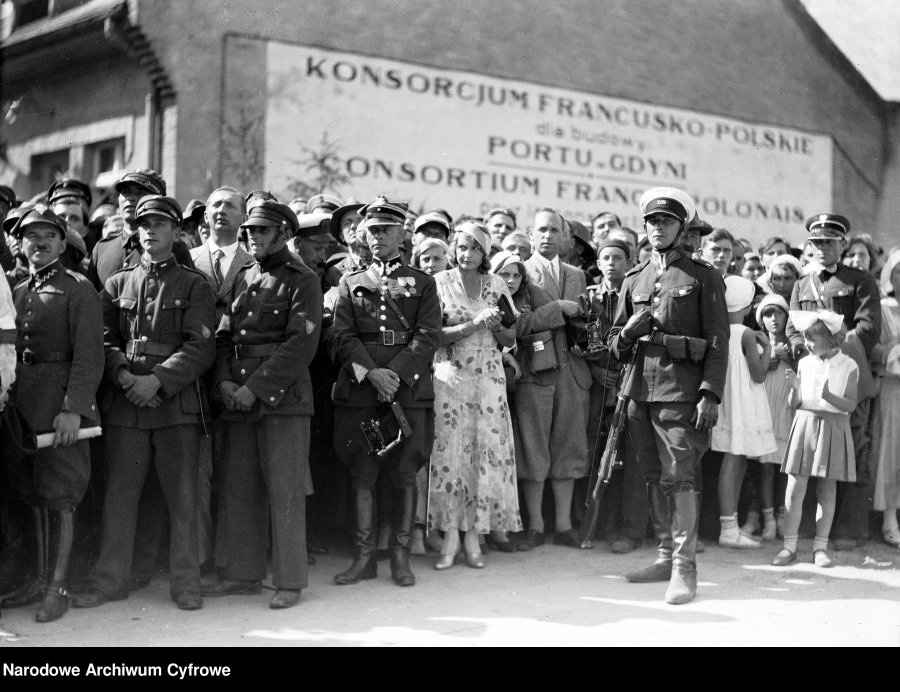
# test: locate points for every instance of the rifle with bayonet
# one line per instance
(611, 459)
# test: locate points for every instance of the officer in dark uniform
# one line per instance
(121, 250)
(854, 294)
(676, 383)
(159, 341)
(59, 350)
(266, 341)
(387, 323)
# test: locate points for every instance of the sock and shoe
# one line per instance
(731, 535)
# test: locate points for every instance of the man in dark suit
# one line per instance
(387, 324)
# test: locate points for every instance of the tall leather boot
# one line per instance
(685, 525)
(364, 566)
(403, 515)
(661, 518)
(56, 598)
(31, 589)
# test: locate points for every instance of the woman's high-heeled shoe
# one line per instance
(445, 562)
(475, 560)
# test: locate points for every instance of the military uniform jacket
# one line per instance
(276, 303)
(121, 250)
(58, 314)
(687, 298)
(572, 284)
(603, 303)
(164, 305)
(849, 292)
(204, 263)
(362, 313)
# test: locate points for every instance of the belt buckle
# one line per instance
(137, 347)
(237, 351)
(28, 357)
(387, 340)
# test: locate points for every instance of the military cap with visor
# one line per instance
(314, 226)
(70, 188)
(329, 202)
(146, 178)
(159, 205)
(382, 212)
(827, 226)
(667, 200)
(38, 214)
(268, 213)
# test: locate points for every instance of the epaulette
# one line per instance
(416, 270)
(124, 269)
(637, 268)
(702, 262)
(77, 276)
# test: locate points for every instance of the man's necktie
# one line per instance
(217, 268)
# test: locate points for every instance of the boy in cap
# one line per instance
(266, 341)
(158, 318)
(853, 294)
(676, 383)
(59, 350)
(387, 325)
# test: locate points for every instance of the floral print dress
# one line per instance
(472, 482)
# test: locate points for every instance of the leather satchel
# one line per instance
(541, 351)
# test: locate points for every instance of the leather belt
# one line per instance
(28, 357)
(243, 351)
(150, 348)
(388, 337)
(8, 337)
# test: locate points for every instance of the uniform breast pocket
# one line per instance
(127, 312)
(840, 300)
(172, 313)
(273, 316)
(679, 304)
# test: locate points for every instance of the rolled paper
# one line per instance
(45, 440)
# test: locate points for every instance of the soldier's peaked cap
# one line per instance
(70, 187)
(828, 226)
(160, 205)
(266, 212)
(315, 226)
(667, 200)
(382, 212)
(148, 179)
(329, 201)
(40, 213)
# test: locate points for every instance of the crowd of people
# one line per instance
(232, 379)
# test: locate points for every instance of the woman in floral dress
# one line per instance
(472, 484)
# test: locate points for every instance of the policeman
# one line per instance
(266, 342)
(121, 250)
(159, 341)
(853, 294)
(387, 323)
(59, 350)
(676, 383)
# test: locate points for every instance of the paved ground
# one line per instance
(551, 597)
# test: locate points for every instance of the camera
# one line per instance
(385, 433)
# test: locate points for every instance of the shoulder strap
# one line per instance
(396, 309)
(814, 284)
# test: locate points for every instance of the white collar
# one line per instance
(228, 250)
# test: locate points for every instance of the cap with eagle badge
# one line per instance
(70, 189)
(159, 205)
(667, 200)
(269, 213)
(383, 212)
(146, 178)
(40, 213)
(828, 226)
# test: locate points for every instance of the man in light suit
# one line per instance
(553, 414)
(220, 259)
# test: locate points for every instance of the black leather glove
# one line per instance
(639, 324)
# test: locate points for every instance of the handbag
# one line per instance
(508, 315)
(541, 351)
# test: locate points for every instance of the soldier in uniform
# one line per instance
(387, 323)
(853, 294)
(266, 341)
(59, 350)
(158, 338)
(676, 383)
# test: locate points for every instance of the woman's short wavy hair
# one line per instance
(485, 265)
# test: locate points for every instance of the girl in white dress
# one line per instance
(744, 428)
(824, 393)
(7, 340)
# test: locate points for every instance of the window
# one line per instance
(100, 157)
(45, 168)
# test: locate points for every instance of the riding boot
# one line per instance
(364, 566)
(56, 597)
(403, 515)
(685, 525)
(661, 518)
(30, 590)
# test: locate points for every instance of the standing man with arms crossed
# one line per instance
(266, 341)
(675, 385)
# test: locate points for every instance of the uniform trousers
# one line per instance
(400, 464)
(55, 477)
(266, 479)
(667, 444)
(130, 453)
